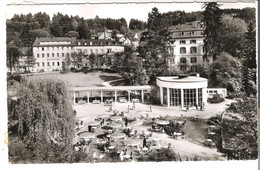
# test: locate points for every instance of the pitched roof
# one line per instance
(54, 39)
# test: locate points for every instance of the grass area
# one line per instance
(109, 77)
(120, 83)
(76, 79)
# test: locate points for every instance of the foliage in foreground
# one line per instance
(40, 123)
(163, 154)
(216, 98)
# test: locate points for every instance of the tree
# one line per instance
(43, 19)
(42, 119)
(92, 59)
(30, 60)
(246, 107)
(12, 55)
(233, 30)
(153, 46)
(72, 34)
(226, 71)
(83, 30)
(212, 22)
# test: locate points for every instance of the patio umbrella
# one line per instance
(94, 123)
(115, 125)
(86, 135)
(163, 122)
(137, 123)
(118, 135)
(133, 142)
(102, 116)
(116, 118)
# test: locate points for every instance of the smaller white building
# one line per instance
(183, 91)
(221, 91)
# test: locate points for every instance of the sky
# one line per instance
(130, 10)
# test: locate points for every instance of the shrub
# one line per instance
(160, 155)
(216, 99)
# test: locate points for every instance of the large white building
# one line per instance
(50, 53)
(187, 49)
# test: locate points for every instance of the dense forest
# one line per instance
(23, 29)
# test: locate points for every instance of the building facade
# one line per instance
(187, 50)
(50, 53)
(183, 91)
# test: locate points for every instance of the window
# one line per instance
(68, 54)
(42, 63)
(96, 51)
(199, 96)
(62, 54)
(48, 48)
(52, 54)
(182, 33)
(193, 60)
(42, 55)
(193, 50)
(58, 55)
(42, 48)
(203, 49)
(175, 97)
(52, 48)
(91, 51)
(193, 41)
(53, 64)
(183, 60)
(192, 33)
(102, 51)
(194, 69)
(215, 91)
(48, 63)
(182, 42)
(85, 51)
(48, 55)
(38, 64)
(109, 50)
(189, 97)
(183, 68)
(164, 95)
(183, 50)
(58, 63)
(38, 55)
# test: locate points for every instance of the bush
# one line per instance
(154, 96)
(85, 70)
(160, 155)
(216, 99)
(74, 70)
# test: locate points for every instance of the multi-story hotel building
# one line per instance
(50, 53)
(187, 49)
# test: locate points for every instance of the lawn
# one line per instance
(79, 79)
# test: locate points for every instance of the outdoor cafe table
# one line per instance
(94, 123)
(116, 118)
(115, 125)
(137, 123)
(163, 122)
(102, 116)
(87, 135)
(118, 135)
(133, 142)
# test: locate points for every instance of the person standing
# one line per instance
(144, 142)
(126, 121)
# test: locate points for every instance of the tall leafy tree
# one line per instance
(29, 60)
(41, 119)
(212, 22)
(12, 56)
(153, 46)
(83, 30)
